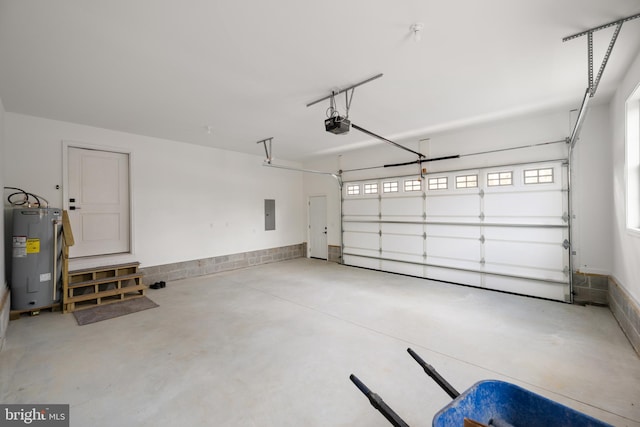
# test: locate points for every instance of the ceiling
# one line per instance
(229, 73)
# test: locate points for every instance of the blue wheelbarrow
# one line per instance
(488, 403)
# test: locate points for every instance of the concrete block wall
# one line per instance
(335, 253)
(202, 267)
(626, 311)
(590, 288)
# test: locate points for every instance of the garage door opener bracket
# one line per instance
(593, 84)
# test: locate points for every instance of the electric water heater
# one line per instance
(36, 258)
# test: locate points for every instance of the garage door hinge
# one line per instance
(481, 193)
(482, 261)
(565, 217)
(380, 233)
(424, 216)
(424, 236)
(481, 238)
(566, 244)
(424, 196)
(566, 270)
(481, 216)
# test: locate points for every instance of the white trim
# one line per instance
(89, 262)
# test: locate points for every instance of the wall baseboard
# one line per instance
(335, 253)
(202, 267)
(626, 311)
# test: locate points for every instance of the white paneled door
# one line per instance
(498, 228)
(318, 227)
(98, 201)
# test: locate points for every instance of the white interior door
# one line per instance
(98, 202)
(318, 227)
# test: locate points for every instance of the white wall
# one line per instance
(2, 172)
(189, 202)
(626, 246)
(591, 179)
(591, 198)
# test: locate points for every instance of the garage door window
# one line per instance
(371, 188)
(496, 179)
(412, 185)
(390, 187)
(467, 181)
(538, 176)
(353, 189)
(438, 183)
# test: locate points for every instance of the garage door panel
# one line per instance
(525, 254)
(361, 240)
(515, 271)
(359, 261)
(402, 207)
(366, 227)
(533, 205)
(534, 288)
(454, 276)
(455, 248)
(448, 230)
(402, 268)
(405, 228)
(451, 206)
(402, 244)
(417, 258)
(360, 207)
(528, 234)
(454, 263)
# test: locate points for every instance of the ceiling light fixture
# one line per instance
(416, 29)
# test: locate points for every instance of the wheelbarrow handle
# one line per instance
(448, 388)
(377, 402)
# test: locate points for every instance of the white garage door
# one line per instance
(498, 228)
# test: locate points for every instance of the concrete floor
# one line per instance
(274, 345)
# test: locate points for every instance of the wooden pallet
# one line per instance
(102, 285)
(16, 314)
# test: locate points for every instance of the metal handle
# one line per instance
(448, 388)
(377, 402)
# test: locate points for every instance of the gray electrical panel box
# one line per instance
(36, 248)
(269, 214)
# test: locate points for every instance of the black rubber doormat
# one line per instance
(109, 311)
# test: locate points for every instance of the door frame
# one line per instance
(326, 208)
(66, 144)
